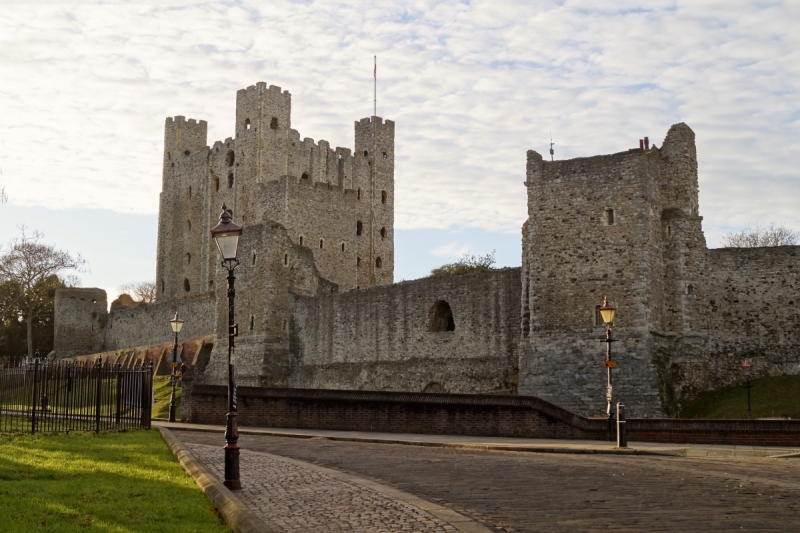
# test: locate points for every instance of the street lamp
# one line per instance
(174, 360)
(607, 313)
(746, 367)
(226, 234)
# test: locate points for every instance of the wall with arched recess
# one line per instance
(381, 338)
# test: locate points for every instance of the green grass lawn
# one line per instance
(774, 396)
(161, 394)
(111, 482)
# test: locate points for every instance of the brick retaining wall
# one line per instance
(461, 414)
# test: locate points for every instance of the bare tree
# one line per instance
(25, 262)
(141, 291)
(761, 235)
(466, 265)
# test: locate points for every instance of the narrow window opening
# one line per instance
(440, 317)
(190, 191)
(304, 176)
(247, 123)
(273, 124)
(188, 259)
(384, 155)
(252, 322)
(359, 227)
(211, 284)
(285, 325)
(366, 153)
(383, 233)
(163, 286)
(384, 196)
(358, 261)
(186, 285)
(216, 184)
(230, 158)
(301, 240)
(321, 244)
(690, 290)
(669, 230)
(285, 259)
(230, 180)
(169, 156)
(610, 217)
(343, 247)
(189, 224)
(254, 258)
(598, 318)
(359, 194)
(378, 262)
(186, 152)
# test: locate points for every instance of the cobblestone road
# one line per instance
(559, 492)
(293, 497)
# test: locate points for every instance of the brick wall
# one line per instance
(462, 414)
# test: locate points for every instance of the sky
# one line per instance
(85, 88)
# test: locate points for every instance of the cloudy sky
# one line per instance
(85, 88)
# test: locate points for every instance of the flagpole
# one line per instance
(375, 88)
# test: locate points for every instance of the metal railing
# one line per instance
(43, 396)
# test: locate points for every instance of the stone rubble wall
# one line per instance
(379, 338)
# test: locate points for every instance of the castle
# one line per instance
(317, 308)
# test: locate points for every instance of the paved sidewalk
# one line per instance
(291, 496)
(506, 443)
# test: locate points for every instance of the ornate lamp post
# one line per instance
(174, 360)
(607, 313)
(746, 367)
(226, 235)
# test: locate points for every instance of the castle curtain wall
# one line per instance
(381, 339)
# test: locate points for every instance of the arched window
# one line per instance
(440, 317)
(273, 124)
(690, 290)
(378, 262)
(186, 285)
(247, 123)
(383, 233)
(230, 158)
(230, 180)
(187, 152)
(359, 227)
(304, 176)
(384, 196)
(366, 153)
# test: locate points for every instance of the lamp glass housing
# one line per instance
(228, 244)
(746, 367)
(176, 324)
(607, 312)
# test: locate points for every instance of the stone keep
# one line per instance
(316, 306)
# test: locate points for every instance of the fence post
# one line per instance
(98, 369)
(35, 394)
(119, 393)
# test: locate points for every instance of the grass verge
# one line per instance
(111, 482)
(773, 396)
(161, 394)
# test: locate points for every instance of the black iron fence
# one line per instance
(44, 396)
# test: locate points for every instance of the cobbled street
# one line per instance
(514, 491)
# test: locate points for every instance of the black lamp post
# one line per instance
(746, 367)
(607, 313)
(174, 361)
(226, 235)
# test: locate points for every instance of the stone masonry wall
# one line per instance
(380, 338)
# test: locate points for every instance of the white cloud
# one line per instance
(473, 86)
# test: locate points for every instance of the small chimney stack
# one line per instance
(641, 144)
(646, 143)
